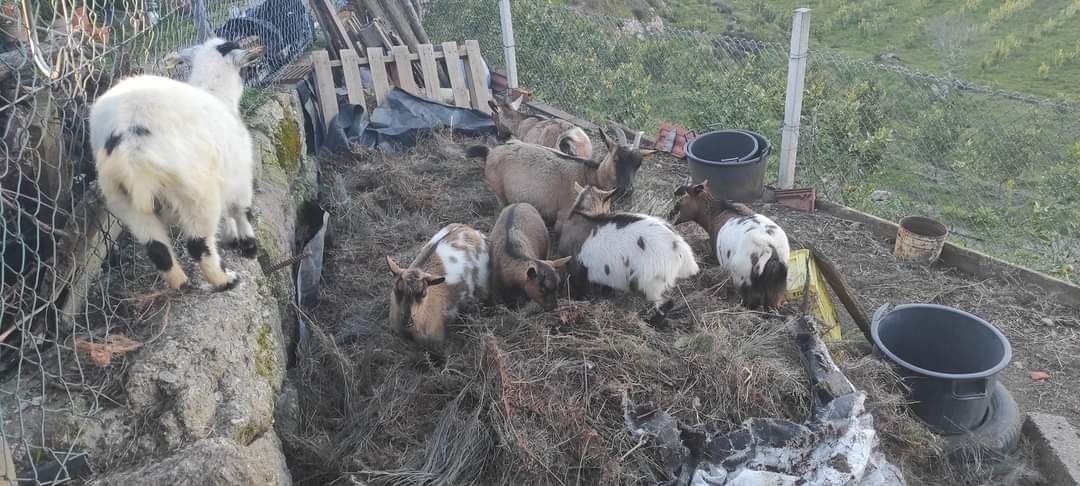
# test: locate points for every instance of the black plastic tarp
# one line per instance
(398, 122)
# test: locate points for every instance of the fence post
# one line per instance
(789, 145)
(508, 44)
(202, 21)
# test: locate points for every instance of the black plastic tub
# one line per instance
(733, 161)
(949, 359)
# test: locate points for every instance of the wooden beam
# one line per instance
(475, 62)
(401, 25)
(414, 22)
(324, 85)
(350, 70)
(377, 62)
(457, 78)
(335, 30)
(836, 281)
(971, 262)
(431, 71)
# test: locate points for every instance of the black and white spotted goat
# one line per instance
(172, 152)
(624, 251)
(750, 246)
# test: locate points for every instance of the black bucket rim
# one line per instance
(753, 157)
(764, 145)
(875, 326)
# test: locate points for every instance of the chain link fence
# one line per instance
(69, 272)
(1001, 169)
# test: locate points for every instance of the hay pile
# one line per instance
(526, 397)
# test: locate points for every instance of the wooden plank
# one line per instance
(971, 262)
(335, 30)
(474, 61)
(557, 113)
(377, 63)
(457, 78)
(324, 85)
(403, 67)
(847, 297)
(350, 68)
(430, 70)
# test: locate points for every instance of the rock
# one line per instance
(287, 412)
(879, 195)
(213, 461)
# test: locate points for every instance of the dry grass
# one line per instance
(522, 396)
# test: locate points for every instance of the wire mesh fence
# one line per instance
(69, 272)
(1001, 169)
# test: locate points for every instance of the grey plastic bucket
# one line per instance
(949, 360)
(733, 161)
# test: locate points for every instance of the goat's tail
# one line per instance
(121, 175)
(477, 151)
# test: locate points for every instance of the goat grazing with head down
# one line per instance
(519, 248)
(624, 251)
(449, 273)
(173, 152)
(750, 246)
(550, 132)
(545, 177)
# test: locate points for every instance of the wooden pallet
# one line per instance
(394, 68)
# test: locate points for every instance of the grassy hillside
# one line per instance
(1019, 45)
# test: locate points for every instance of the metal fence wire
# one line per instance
(68, 269)
(1001, 169)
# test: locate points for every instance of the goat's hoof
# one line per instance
(176, 280)
(248, 247)
(231, 281)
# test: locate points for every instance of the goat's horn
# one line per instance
(637, 140)
(621, 135)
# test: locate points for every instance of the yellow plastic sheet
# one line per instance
(821, 304)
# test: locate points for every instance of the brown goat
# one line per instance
(545, 177)
(556, 133)
(450, 272)
(519, 246)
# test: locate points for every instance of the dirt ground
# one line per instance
(526, 397)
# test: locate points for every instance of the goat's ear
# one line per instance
(605, 195)
(394, 268)
(516, 104)
(697, 190)
(494, 106)
(561, 262)
(435, 280)
(531, 273)
(577, 188)
(647, 154)
(680, 191)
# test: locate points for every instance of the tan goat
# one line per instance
(449, 273)
(550, 132)
(519, 247)
(544, 177)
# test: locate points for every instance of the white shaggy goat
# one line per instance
(449, 273)
(172, 152)
(624, 251)
(750, 246)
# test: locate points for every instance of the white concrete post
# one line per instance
(789, 145)
(508, 44)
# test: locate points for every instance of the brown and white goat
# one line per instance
(624, 251)
(544, 177)
(550, 132)
(519, 246)
(449, 273)
(750, 246)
